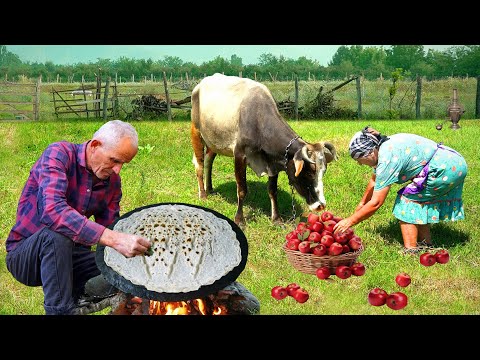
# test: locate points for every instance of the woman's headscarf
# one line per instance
(363, 142)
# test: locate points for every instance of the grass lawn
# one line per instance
(163, 172)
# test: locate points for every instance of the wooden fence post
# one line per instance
(167, 97)
(296, 97)
(98, 95)
(477, 100)
(36, 105)
(105, 99)
(115, 99)
(419, 97)
(359, 98)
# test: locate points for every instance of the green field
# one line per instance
(163, 172)
(435, 96)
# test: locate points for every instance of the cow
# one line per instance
(238, 117)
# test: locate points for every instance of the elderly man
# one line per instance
(50, 243)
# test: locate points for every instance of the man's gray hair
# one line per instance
(112, 131)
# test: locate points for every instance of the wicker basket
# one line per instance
(309, 263)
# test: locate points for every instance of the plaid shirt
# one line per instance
(59, 194)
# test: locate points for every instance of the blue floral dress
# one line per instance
(402, 158)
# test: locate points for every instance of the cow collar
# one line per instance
(288, 147)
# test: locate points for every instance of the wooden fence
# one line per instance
(101, 101)
(19, 101)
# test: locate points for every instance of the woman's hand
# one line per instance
(342, 225)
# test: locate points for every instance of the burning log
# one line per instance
(234, 299)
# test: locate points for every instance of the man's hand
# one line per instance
(132, 245)
(128, 245)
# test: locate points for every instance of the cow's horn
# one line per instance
(305, 155)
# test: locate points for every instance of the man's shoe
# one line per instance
(97, 289)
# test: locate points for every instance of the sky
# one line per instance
(197, 54)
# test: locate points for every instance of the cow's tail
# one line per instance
(196, 138)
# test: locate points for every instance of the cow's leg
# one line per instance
(209, 157)
(241, 178)
(272, 194)
(198, 159)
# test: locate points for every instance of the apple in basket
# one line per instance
(329, 225)
(340, 237)
(304, 247)
(317, 227)
(315, 237)
(293, 244)
(335, 249)
(355, 243)
(327, 240)
(319, 250)
(326, 215)
(313, 218)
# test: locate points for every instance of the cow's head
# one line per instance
(306, 172)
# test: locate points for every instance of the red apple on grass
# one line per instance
(377, 297)
(442, 256)
(403, 279)
(337, 218)
(301, 295)
(291, 288)
(279, 292)
(343, 271)
(358, 269)
(427, 259)
(323, 272)
(397, 300)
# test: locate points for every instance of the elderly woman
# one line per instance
(434, 174)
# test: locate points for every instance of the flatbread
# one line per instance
(191, 248)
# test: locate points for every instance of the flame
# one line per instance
(183, 308)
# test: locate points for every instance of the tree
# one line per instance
(404, 56)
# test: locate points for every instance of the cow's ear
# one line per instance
(298, 166)
(330, 152)
(299, 159)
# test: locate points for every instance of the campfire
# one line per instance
(233, 299)
(189, 307)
